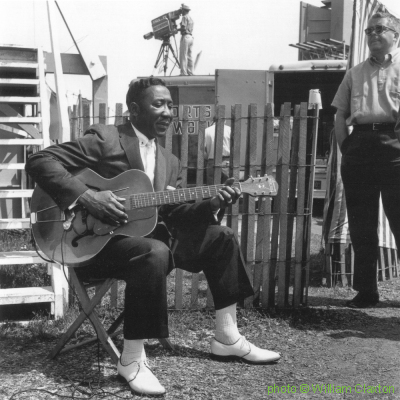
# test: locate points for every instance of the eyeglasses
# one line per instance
(378, 29)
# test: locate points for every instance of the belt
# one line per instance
(383, 126)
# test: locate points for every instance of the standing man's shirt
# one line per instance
(370, 91)
(209, 144)
(187, 24)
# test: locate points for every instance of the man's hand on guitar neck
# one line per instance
(226, 196)
(105, 206)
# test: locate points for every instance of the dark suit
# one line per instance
(144, 262)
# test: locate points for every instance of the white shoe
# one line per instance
(140, 378)
(242, 350)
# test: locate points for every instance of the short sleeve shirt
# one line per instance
(188, 23)
(370, 91)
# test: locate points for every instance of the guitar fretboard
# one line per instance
(152, 199)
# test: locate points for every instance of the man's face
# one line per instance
(154, 112)
(383, 43)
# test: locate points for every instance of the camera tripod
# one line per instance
(164, 52)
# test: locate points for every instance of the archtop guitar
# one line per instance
(74, 237)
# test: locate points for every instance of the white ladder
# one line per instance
(24, 126)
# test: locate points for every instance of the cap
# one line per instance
(185, 7)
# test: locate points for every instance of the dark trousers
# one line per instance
(143, 263)
(370, 168)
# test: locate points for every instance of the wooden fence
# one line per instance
(274, 234)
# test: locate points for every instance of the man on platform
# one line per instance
(144, 262)
(368, 100)
(186, 47)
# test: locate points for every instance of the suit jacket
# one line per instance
(109, 151)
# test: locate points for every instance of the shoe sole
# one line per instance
(355, 305)
(123, 380)
(216, 357)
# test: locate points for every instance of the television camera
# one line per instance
(163, 28)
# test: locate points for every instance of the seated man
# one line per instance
(144, 262)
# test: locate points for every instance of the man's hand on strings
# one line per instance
(105, 206)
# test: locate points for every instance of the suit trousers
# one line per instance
(185, 55)
(370, 169)
(144, 263)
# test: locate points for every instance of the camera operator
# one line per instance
(185, 51)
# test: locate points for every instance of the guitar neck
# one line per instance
(177, 196)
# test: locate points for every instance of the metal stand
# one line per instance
(164, 52)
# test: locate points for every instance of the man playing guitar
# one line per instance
(144, 262)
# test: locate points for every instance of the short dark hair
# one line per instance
(392, 21)
(138, 86)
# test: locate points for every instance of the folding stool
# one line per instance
(88, 305)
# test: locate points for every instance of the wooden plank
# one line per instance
(184, 165)
(13, 130)
(85, 116)
(20, 120)
(19, 99)
(352, 263)
(44, 105)
(390, 262)
(268, 274)
(382, 263)
(19, 257)
(63, 121)
(283, 165)
(309, 199)
(100, 90)
(328, 265)
(21, 223)
(14, 194)
(18, 65)
(72, 64)
(18, 166)
(26, 295)
(234, 162)
(74, 123)
(342, 261)
(300, 217)
(119, 114)
(18, 82)
(11, 112)
(218, 143)
(22, 142)
(199, 182)
(249, 207)
(102, 113)
(294, 158)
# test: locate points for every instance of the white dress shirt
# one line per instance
(148, 154)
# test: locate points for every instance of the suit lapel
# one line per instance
(130, 144)
(160, 174)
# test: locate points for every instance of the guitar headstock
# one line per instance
(261, 186)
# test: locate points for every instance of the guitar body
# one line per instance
(74, 237)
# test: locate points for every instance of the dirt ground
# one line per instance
(328, 351)
(324, 344)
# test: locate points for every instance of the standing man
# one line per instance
(185, 51)
(209, 149)
(144, 262)
(368, 99)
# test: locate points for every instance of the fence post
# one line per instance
(264, 218)
(102, 113)
(234, 162)
(74, 123)
(248, 217)
(119, 119)
(218, 142)
(85, 116)
(283, 166)
(292, 189)
(300, 217)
